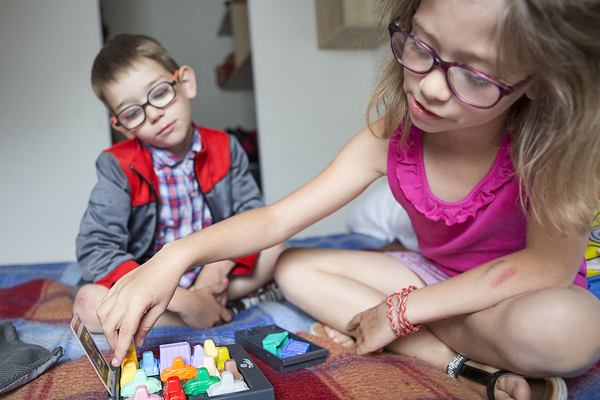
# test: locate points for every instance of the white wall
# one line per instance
(310, 102)
(188, 31)
(52, 127)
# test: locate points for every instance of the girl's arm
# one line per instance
(550, 259)
(135, 302)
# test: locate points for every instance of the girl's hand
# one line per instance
(136, 301)
(372, 329)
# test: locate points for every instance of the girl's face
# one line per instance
(461, 31)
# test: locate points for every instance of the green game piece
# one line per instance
(274, 342)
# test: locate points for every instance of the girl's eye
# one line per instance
(417, 49)
(475, 80)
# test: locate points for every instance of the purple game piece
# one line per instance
(168, 352)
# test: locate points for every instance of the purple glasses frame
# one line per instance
(503, 89)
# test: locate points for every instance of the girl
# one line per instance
(489, 138)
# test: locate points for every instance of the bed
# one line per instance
(37, 299)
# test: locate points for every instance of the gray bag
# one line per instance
(21, 362)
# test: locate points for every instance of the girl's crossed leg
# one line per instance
(544, 333)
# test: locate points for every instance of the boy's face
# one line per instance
(167, 128)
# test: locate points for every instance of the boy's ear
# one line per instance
(128, 134)
(187, 79)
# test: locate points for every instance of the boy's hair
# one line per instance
(556, 138)
(120, 53)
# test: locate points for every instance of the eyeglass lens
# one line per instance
(467, 85)
(159, 97)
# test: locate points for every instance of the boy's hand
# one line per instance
(202, 308)
(213, 274)
(372, 329)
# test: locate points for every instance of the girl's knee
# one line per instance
(560, 327)
(290, 261)
(292, 266)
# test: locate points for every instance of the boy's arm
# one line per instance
(103, 240)
(245, 193)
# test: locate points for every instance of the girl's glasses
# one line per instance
(159, 96)
(471, 86)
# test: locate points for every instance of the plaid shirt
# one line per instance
(183, 210)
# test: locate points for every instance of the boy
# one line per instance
(169, 180)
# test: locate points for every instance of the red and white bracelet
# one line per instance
(406, 326)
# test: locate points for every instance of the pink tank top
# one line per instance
(487, 224)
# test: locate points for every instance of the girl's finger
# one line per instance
(146, 323)
(354, 322)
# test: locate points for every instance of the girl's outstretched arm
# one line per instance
(550, 259)
(135, 302)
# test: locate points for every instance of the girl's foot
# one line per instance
(507, 385)
(318, 329)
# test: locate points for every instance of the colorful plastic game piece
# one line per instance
(141, 393)
(209, 363)
(132, 355)
(294, 348)
(200, 383)
(168, 352)
(210, 349)
(231, 366)
(173, 389)
(128, 371)
(130, 364)
(179, 369)
(257, 388)
(197, 356)
(140, 379)
(226, 385)
(149, 364)
(222, 355)
(273, 342)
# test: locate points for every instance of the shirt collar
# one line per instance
(165, 158)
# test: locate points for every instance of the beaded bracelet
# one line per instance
(406, 326)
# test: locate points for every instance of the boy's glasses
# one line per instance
(471, 86)
(159, 96)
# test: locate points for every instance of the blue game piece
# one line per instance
(294, 348)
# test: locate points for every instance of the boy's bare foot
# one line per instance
(318, 329)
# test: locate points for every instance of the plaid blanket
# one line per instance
(38, 300)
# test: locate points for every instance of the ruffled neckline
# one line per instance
(413, 181)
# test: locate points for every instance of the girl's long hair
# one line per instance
(556, 136)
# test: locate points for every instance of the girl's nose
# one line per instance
(434, 85)
(153, 114)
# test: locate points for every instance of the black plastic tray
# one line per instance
(260, 388)
(252, 339)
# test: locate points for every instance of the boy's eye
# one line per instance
(159, 92)
(130, 113)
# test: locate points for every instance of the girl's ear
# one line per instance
(187, 80)
(128, 134)
(535, 91)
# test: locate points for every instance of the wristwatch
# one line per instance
(455, 365)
